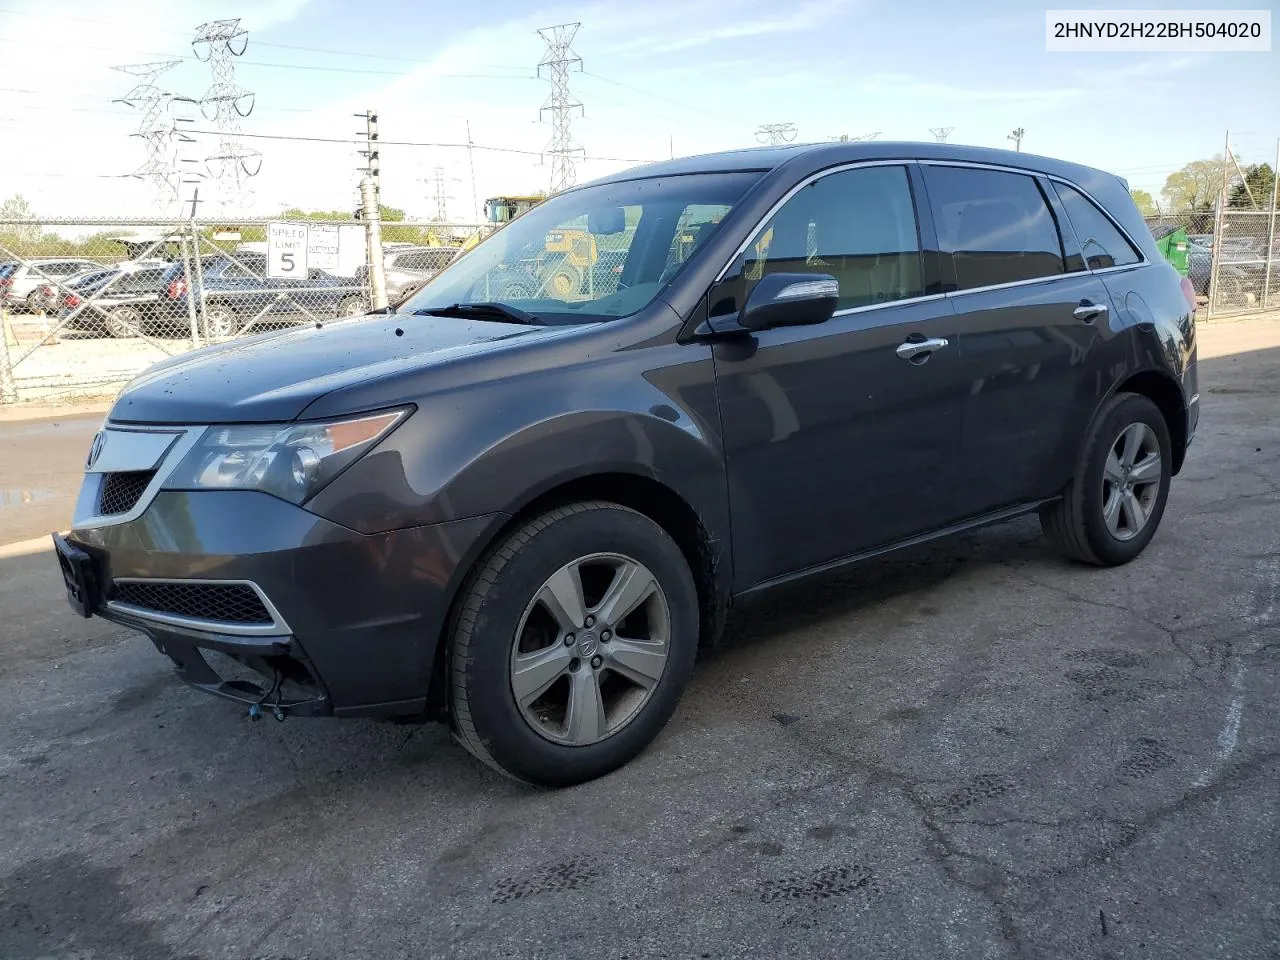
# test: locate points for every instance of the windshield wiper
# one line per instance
(480, 311)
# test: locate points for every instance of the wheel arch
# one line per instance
(644, 494)
(1163, 390)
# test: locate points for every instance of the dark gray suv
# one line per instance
(525, 516)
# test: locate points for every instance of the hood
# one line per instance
(275, 376)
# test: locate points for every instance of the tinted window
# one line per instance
(996, 226)
(144, 281)
(859, 226)
(245, 268)
(1102, 243)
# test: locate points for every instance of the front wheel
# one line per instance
(353, 307)
(1115, 500)
(573, 644)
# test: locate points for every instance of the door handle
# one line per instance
(1088, 312)
(920, 348)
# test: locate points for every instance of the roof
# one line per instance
(818, 155)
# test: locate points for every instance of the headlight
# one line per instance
(291, 461)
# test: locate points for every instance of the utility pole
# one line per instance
(940, 134)
(471, 165)
(373, 164)
(558, 60)
(1016, 137)
(776, 133)
(372, 218)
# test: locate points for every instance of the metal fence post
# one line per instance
(1270, 263)
(372, 217)
(8, 386)
(187, 243)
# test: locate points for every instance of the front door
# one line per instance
(839, 437)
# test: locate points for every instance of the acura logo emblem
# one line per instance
(95, 448)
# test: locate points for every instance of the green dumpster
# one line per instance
(1172, 242)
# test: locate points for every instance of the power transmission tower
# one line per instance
(940, 134)
(156, 128)
(1016, 137)
(845, 138)
(439, 193)
(558, 60)
(218, 43)
(371, 154)
(776, 133)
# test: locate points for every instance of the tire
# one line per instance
(123, 322)
(503, 621)
(219, 323)
(1078, 525)
(352, 307)
(33, 302)
(564, 281)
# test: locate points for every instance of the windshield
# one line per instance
(599, 252)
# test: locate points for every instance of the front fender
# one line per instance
(496, 446)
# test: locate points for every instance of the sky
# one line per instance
(660, 78)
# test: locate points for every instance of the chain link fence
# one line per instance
(86, 305)
(1246, 263)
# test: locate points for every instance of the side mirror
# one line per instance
(790, 299)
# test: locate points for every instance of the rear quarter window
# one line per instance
(1102, 242)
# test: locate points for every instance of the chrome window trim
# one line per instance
(853, 165)
(86, 513)
(277, 627)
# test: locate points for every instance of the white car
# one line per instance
(23, 285)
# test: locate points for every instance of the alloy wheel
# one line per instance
(590, 649)
(1131, 481)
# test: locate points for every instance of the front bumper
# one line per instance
(354, 619)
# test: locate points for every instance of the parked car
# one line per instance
(408, 268)
(24, 283)
(120, 302)
(238, 294)
(526, 516)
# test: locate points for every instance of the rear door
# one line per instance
(841, 436)
(1032, 318)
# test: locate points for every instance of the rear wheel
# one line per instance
(122, 322)
(1116, 498)
(219, 322)
(573, 644)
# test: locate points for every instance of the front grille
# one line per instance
(120, 491)
(224, 602)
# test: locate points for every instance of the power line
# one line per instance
(420, 143)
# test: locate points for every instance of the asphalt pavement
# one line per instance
(973, 750)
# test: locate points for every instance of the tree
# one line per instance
(1194, 188)
(17, 208)
(1260, 178)
(1146, 204)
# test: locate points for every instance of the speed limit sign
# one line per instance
(287, 250)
